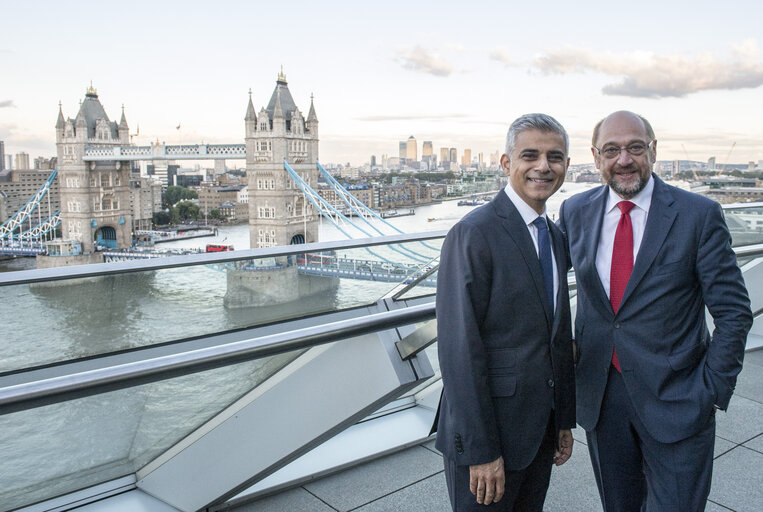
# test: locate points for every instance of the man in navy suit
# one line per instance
(504, 334)
(649, 258)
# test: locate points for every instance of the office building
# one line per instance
(403, 149)
(453, 155)
(466, 159)
(411, 152)
(22, 161)
(2, 155)
(444, 155)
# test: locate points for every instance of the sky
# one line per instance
(455, 73)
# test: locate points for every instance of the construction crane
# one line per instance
(691, 163)
(726, 160)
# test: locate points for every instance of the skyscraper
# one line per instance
(453, 155)
(2, 155)
(444, 155)
(403, 150)
(466, 160)
(411, 153)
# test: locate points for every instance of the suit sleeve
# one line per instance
(725, 295)
(463, 291)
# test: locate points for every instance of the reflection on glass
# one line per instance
(63, 320)
(745, 224)
(61, 448)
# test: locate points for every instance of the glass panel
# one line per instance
(745, 224)
(65, 447)
(62, 320)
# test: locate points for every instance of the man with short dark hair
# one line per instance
(504, 334)
(648, 259)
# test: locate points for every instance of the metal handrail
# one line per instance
(123, 267)
(62, 388)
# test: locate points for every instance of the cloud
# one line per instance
(501, 54)
(424, 61)
(7, 104)
(413, 117)
(650, 75)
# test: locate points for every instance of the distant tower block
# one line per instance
(95, 197)
(279, 214)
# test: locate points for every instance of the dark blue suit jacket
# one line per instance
(673, 370)
(505, 357)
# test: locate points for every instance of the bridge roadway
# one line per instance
(314, 264)
(16, 249)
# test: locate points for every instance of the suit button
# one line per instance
(617, 325)
(550, 383)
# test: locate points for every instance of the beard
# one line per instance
(627, 191)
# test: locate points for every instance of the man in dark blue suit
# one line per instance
(504, 334)
(649, 258)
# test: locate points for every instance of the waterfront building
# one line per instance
(18, 185)
(279, 214)
(213, 195)
(145, 201)
(95, 196)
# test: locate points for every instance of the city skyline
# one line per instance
(382, 74)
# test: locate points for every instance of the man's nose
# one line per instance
(543, 165)
(624, 158)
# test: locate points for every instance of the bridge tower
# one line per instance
(279, 214)
(95, 200)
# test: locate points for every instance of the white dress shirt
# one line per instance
(639, 214)
(528, 216)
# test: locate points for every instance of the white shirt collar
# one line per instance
(525, 210)
(643, 199)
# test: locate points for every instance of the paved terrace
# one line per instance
(412, 480)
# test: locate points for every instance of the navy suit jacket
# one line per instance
(505, 357)
(673, 370)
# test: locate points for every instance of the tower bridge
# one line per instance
(281, 153)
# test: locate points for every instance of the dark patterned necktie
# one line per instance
(546, 265)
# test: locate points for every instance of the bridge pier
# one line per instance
(283, 288)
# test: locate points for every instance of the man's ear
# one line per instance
(506, 164)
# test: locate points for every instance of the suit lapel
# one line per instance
(658, 224)
(589, 274)
(515, 226)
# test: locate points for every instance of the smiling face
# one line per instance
(537, 166)
(626, 174)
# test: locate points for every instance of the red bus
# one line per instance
(219, 247)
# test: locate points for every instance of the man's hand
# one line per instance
(564, 451)
(486, 481)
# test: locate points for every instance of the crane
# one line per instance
(691, 163)
(726, 160)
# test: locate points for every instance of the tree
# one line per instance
(187, 210)
(161, 218)
(175, 193)
(215, 213)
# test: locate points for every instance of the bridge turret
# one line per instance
(123, 130)
(251, 118)
(312, 119)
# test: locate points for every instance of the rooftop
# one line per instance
(412, 480)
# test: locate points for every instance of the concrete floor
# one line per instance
(412, 480)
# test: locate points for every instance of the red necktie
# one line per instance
(622, 262)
